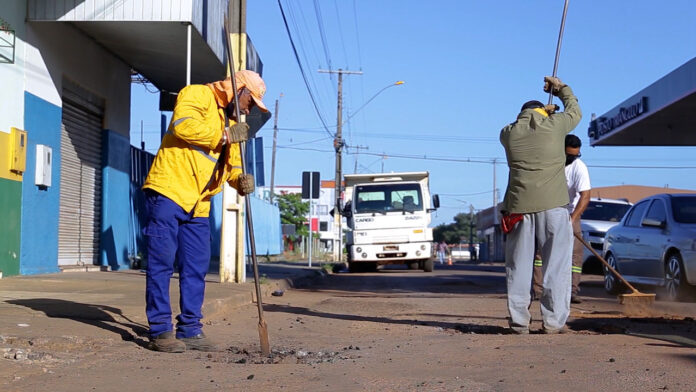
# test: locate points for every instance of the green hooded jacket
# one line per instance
(535, 151)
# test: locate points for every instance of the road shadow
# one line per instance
(100, 316)
(445, 325)
(393, 282)
(681, 332)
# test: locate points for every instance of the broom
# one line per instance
(635, 298)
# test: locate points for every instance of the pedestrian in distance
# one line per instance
(534, 207)
(578, 181)
(442, 251)
(198, 155)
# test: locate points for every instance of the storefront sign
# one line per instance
(604, 125)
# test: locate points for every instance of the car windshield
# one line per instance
(384, 198)
(684, 209)
(605, 211)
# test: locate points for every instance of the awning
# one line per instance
(662, 114)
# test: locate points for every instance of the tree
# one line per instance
(294, 211)
(456, 232)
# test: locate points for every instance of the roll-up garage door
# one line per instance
(80, 177)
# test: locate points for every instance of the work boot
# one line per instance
(199, 342)
(166, 343)
(553, 331)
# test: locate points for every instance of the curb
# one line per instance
(217, 307)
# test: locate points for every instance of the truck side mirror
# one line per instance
(436, 201)
(347, 210)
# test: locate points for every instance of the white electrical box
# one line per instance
(44, 162)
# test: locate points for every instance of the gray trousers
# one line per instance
(552, 230)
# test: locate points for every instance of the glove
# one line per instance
(553, 85)
(246, 184)
(237, 133)
(551, 109)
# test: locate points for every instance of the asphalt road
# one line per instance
(397, 330)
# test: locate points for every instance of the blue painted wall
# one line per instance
(116, 207)
(40, 208)
(267, 229)
(267, 232)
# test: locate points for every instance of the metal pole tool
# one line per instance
(263, 328)
(558, 46)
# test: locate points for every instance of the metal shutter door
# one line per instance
(80, 181)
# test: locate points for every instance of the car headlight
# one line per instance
(423, 247)
(358, 249)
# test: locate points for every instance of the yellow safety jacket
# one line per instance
(183, 167)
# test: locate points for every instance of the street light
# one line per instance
(398, 83)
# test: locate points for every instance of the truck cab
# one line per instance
(388, 216)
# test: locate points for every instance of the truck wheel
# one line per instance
(428, 265)
(414, 265)
(355, 267)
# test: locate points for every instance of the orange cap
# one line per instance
(244, 78)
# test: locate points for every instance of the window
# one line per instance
(388, 197)
(323, 226)
(605, 211)
(321, 209)
(684, 209)
(657, 211)
(637, 214)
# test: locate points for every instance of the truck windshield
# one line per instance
(383, 198)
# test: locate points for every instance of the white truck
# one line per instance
(388, 216)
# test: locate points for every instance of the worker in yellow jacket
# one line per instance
(198, 154)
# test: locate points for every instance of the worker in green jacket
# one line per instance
(534, 207)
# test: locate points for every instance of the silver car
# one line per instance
(600, 216)
(655, 244)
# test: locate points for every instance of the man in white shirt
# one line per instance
(578, 181)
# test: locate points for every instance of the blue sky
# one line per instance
(467, 67)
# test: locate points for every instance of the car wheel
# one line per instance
(612, 284)
(675, 281)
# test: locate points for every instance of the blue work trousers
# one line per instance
(173, 233)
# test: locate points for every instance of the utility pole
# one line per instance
(142, 140)
(495, 196)
(275, 143)
(338, 144)
(471, 231)
(357, 152)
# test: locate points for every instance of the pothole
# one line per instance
(283, 355)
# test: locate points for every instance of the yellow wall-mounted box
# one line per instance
(18, 150)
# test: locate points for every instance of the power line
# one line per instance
(304, 76)
(405, 136)
(465, 194)
(340, 33)
(639, 167)
(322, 33)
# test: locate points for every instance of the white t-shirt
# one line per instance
(578, 180)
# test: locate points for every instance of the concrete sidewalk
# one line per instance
(57, 304)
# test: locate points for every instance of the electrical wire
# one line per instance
(304, 76)
(322, 33)
(340, 33)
